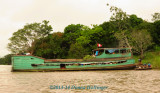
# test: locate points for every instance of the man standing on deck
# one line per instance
(139, 60)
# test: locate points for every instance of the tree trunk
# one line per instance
(142, 53)
(128, 44)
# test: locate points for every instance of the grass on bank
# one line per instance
(151, 57)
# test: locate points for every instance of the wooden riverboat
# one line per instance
(105, 59)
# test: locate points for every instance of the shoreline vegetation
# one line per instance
(77, 40)
(149, 57)
(153, 58)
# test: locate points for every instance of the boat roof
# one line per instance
(111, 48)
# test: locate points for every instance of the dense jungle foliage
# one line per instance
(78, 40)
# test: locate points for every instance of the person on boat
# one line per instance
(96, 54)
(22, 53)
(149, 65)
(28, 53)
(145, 65)
(140, 61)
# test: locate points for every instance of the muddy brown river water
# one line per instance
(112, 81)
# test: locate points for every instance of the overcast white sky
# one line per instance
(14, 14)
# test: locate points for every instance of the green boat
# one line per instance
(104, 59)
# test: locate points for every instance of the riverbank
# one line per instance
(151, 57)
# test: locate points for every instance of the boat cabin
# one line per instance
(112, 52)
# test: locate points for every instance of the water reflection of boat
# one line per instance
(105, 59)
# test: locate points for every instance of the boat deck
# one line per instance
(81, 60)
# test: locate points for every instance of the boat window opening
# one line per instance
(128, 50)
(92, 63)
(123, 51)
(34, 65)
(111, 51)
(51, 64)
(98, 52)
(118, 62)
(101, 52)
(116, 52)
(123, 61)
(62, 66)
(107, 52)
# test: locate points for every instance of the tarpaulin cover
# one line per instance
(111, 50)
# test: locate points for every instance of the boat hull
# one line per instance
(119, 67)
(32, 63)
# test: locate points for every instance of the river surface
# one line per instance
(112, 81)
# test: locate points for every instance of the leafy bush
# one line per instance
(88, 57)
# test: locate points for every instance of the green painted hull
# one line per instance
(32, 63)
(122, 67)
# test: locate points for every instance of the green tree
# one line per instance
(72, 32)
(6, 60)
(156, 17)
(119, 18)
(24, 38)
(86, 38)
(90, 37)
(122, 22)
(108, 36)
(140, 41)
(124, 38)
(134, 20)
(155, 32)
(77, 51)
(50, 46)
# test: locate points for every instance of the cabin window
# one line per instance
(116, 51)
(107, 52)
(111, 51)
(101, 52)
(98, 52)
(128, 50)
(123, 51)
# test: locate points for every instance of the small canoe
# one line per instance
(142, 68)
